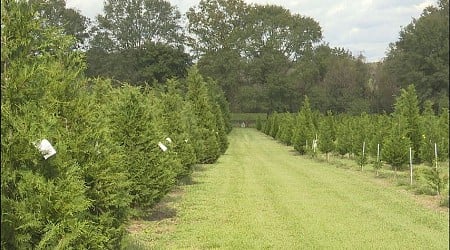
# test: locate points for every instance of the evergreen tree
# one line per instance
(171, 111)
(152, 171)
(430, 133)
(407, 106)
(304, 132)
(327, 134)
(443, 128)
(221, 112)
(259, 124)
(275, 126)
(207, 145)
(286, 128)
(344, 135)
(77, 198)
(363, 134)
(396, 145)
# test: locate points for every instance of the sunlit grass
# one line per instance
(262, 195)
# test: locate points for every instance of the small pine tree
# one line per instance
(344, 134)
(397, 144)
(327, 134)
(407, 105)
(304, 128)
(275, 126)
(259, 125)
(430, 133)
(363, 125)
(443, 129)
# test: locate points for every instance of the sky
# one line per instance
(364, 27)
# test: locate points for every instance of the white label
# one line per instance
(162, 146)
(46, 148)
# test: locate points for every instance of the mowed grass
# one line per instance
(261, 195)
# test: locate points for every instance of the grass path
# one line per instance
(260, 195)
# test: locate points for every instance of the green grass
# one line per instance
(261, 195)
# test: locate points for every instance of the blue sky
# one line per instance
(364, 26)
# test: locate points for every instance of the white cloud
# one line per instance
(365, 25)
(89, 8)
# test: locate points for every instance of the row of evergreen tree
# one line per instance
(376, 138)
(119, 148)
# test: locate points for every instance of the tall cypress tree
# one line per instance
(304, 131)
(171, 110)
(206, 144)
(67, 200)
(407, 106)
(327, 135)
(430, 133)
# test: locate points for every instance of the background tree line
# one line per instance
(264, 58)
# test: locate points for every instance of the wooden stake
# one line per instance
(378, 152)
(378, 156)
(363, 149)
(410, 165)
(435, 155)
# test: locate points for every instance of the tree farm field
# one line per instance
(261, 195)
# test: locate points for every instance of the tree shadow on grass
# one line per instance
(187, 181)
(160, 212)
(199, 168)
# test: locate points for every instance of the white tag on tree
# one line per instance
(46, 148)
(162, 146)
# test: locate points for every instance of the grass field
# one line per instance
(261, 195)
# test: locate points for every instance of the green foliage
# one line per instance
(327, 134)
(344, 135)
(430, 134)
(259, 123)
(210, 139)
(445, 197)
(407, 106)
(397, 144)
(152, 62)
(304, 131)
(443, 141)
(250, 49)
(130, 24)
(151, 171)
(176, 122)
(363, 135)
(275, 126)
(420, 56)
(54, 13)
(343, 88)
(377, 165)
(285, 132)
(77, 198)
(430, 181)
(106, 139)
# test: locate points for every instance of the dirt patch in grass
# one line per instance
(161, 212)
(159, 218)
(136, 226)
(428, 201)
